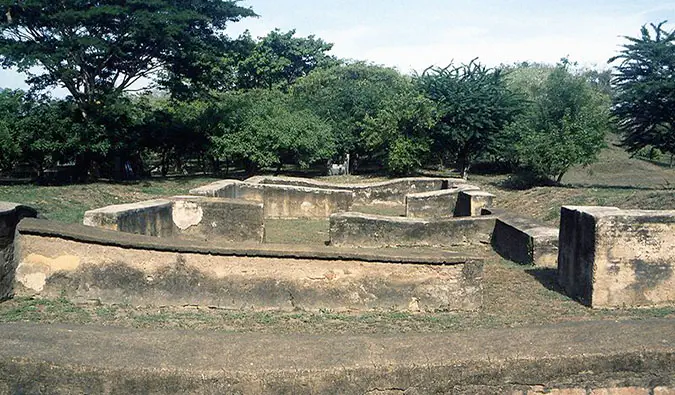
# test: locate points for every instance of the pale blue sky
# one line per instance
(412, 35)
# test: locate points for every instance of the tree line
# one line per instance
(158, 87)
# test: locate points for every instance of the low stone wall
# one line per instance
(10, 215)
(366, 230)
(282, 201)
(525, 240)
(222, 189)
(434, 204)
(218, 219)
(470, 203)
(617, 258)
(151, 217)
(83, 263)
(391, 191)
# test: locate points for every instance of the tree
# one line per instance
(645, 84)
(474, 105)
(345, 95)
(400, 131)
(261, 128)
(99, 50)
(279, 59)
(564, 125)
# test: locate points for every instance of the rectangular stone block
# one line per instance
(434, 204)
(470, 203)
(525, 241)
(366, 230)
(218, 219)
(222, 189)
(115, 268)
(282, 201)
(617, 258)
(151, 218)
(389, 191)
(10, 215)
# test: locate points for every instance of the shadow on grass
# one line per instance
(548, 277)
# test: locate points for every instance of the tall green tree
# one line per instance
(474, 105)
(98, 50)
(262, 128)
(279, 59)
(645, 84)
(345, 96)
(563, 126)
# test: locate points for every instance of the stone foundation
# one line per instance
(205, 218)
(84, 264)
(390, 191)
(525, 241)
(282, 201)
(366, 230)
(434, 204)
(470, 203)
(617, 258)
(10, 215)
(218, 219)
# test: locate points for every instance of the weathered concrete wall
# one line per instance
(366, 230)
(617, 258)
(151, 217)
(282, 201)
(10, 215)
(300, 202)
(392, 191)
(525, 240)
(95, 264)
(434, 204)
(470, 203)
(222, 189)
(218, 219)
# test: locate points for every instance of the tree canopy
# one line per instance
(474, 105)
(645, 83)
(97, 49)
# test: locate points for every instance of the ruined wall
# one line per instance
(94, 264)
(392, 191)
(366, 230)
(617, 258)
(151, 217)
(204, 218)
(282, 201)
(470, 203)
(434, 204)
(218, 219)
(299, 202)
(10, 215)
(525, 240)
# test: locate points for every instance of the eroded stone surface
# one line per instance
(10, 215)
(617, 258)
(526, 241)
(434, 204)
(367, 230)
(151, 217)
(53, 267)
(470, 203)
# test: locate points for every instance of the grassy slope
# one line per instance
(615, 180)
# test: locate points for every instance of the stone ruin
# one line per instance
(208, 248)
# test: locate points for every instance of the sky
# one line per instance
(413, 35)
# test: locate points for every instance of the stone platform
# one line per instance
(84, 263)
